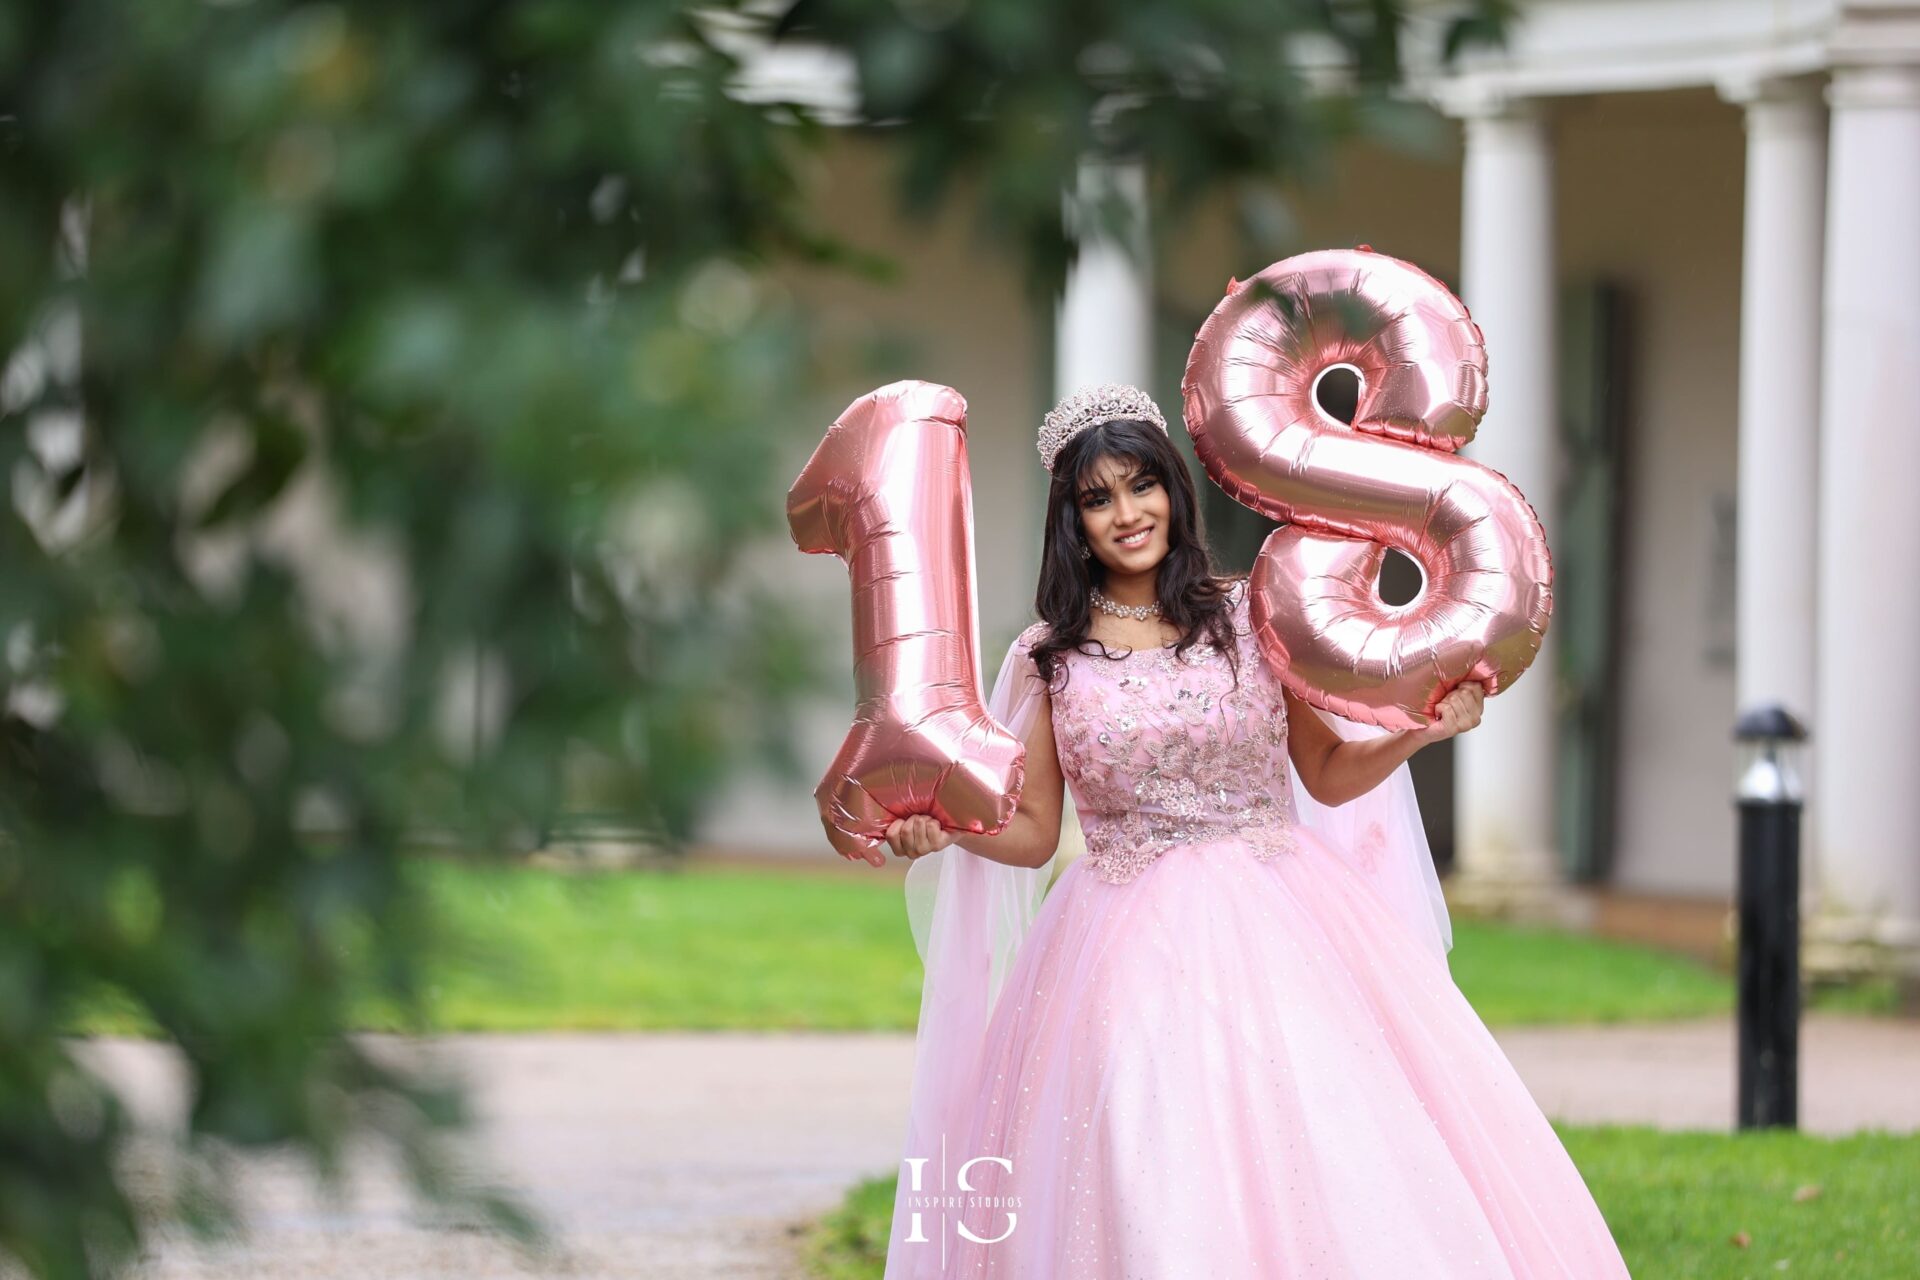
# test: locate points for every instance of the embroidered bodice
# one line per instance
(1162, 751)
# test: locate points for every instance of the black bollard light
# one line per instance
(1769, 797)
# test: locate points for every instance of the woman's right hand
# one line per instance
(917, 836)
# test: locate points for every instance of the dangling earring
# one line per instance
(1085, 554)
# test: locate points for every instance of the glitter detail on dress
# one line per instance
(1162, 750)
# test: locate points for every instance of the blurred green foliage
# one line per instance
(380, 381)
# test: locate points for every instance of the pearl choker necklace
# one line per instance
(1138, 611)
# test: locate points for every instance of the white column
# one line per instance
(1866, 807)
(1104, 329)
(1504, 770)
(1779, 392)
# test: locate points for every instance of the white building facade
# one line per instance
(1690, 230)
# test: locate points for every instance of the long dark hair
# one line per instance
(1191, 596)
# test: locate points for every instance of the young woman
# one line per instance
(1226, 1044)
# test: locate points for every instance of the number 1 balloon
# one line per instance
(1348, 493)
(888, 491)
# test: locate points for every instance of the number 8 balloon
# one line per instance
(888, 491)
(1348, 493)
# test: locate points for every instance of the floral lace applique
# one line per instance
(1162, 750)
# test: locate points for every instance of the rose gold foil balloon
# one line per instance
(1348, 493)
(888, 491)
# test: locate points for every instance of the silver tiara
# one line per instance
(1089, 407)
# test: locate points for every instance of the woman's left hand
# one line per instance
(1458, 712)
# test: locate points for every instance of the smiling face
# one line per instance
(1125, 512)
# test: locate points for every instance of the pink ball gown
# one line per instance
(1224, 1045)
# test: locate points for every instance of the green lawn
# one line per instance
(710, 948)
(735, 948)
(1516, 975)
(1681, 1206)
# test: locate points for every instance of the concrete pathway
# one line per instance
(1855, 1073)
(674, 1156)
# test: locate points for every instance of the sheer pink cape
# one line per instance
(970, 914)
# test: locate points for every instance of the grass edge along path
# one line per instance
(717, 947)
(1695, 1204)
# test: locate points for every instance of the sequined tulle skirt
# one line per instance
(1235, 1067)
